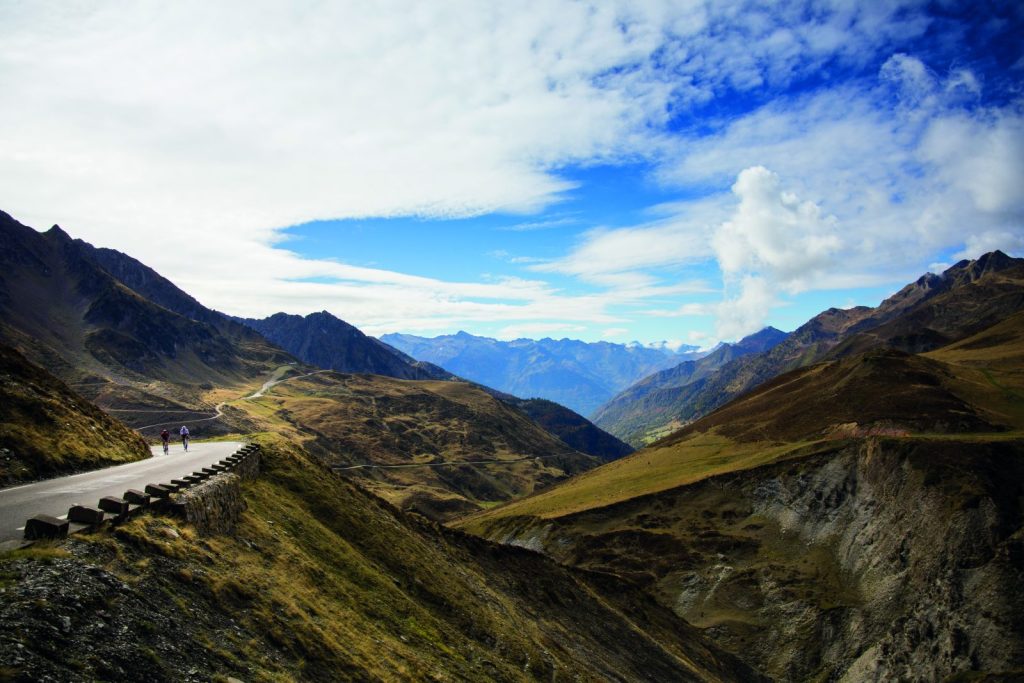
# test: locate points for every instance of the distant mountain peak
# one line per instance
(58, 233)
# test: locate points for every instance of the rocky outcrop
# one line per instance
(883, 559)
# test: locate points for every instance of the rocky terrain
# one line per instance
(876, 560)
(322, 582)
(858, 519)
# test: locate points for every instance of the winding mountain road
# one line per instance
(55, 496)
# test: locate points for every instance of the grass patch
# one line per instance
(648, 471)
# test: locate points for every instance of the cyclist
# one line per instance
(184, 436)
(165, 436)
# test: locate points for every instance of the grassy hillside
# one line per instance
(859, 517)
(932, 312)
(648, 402)
(571, 427)
(47, 429)
(880, 393)
(441, 448)
(321, 582)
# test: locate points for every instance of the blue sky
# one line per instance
(686, 171)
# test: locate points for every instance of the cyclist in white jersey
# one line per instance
(184, 436)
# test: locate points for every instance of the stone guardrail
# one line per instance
(209, 498)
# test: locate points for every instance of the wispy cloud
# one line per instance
(205, 128)
(546, 224)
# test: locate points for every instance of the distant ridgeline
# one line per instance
(927, 314)
(573, 373)
(130, 341)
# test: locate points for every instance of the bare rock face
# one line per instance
(883, 559)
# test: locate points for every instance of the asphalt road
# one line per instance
(55, 496)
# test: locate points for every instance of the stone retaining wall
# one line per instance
(209, 498)
(215, 505)
(249, 467)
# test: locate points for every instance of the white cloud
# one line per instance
(914, 82)
(746, 312)
(191, 133)
(775, 234)
(612, 332)
(981, 155)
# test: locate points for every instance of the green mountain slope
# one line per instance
(572, 428)
(47, 429)
(441, 448)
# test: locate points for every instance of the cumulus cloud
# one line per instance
(774, 233)
(746, 312)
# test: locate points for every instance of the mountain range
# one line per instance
(141, 348)
(926, 314)
(575, 374)
(65, 311)
(630, 412)
(855, 518)
(328, 342)
(839, 503)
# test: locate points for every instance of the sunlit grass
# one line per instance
(649, 471)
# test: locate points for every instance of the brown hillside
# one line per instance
(47, 429)
(428, 446)
(322, 582)
(66, 313)
(879, 392)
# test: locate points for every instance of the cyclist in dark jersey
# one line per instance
(166, 437)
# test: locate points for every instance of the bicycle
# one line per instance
(184, 442)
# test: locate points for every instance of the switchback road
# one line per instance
(55, 496)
